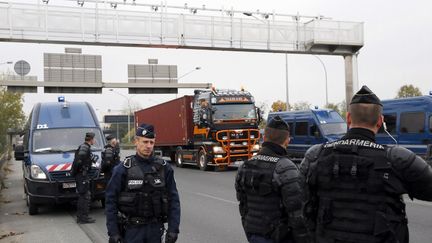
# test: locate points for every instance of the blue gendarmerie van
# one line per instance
(311, 127)
(52, 134)
(409, 121)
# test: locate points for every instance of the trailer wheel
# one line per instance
(33, 209)
(202, 160)
(179, 157)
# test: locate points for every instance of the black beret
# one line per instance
(277, 123)
(89, 135)
(145, 130)
(109, 137)
(365, 96)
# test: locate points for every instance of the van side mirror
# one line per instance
(19, 152)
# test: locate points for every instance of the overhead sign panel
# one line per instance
(72, 67)
(157, 74)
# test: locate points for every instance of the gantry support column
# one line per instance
(351, 77)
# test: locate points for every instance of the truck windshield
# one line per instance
(63, 140)
(339, 128)
(234, 112)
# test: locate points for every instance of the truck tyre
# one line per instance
(202, 160)
(33, 209)
(179, 157)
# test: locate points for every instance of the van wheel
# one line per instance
(33, 209)
(179, 157)
(202, 160)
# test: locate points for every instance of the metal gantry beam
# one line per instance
(97, 24)
(128, 23)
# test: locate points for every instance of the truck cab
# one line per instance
(409, 121)
(311, 127)
(51, 136)
(225, 127)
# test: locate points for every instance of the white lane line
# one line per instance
(213, 197)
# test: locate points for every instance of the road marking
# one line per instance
(213, 197)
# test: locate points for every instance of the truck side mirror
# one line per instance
(19, 152)
(258, 111)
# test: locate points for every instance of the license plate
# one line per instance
(69, 185)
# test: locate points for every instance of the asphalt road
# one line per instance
(209, 213)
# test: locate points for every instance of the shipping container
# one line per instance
(172, 121)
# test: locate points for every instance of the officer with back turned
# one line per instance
(268, 188)
(110, 157)
(142, 195)
(81, 166)
(355, 186)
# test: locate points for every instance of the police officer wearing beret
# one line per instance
(82, 164)
(268, 189)
(142, 190)
(110, 156)
(355, 186)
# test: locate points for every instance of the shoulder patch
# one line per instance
(266, 158)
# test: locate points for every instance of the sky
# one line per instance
(397, 51)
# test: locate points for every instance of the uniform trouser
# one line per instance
(253, 238)
(144, 233)
(84, 195)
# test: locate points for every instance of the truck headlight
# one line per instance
(218, 150)
(37, 173)
(256, 147)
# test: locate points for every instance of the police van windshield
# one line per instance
(63, 140)
(339, 128)
(234, 112)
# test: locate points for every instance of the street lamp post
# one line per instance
(268, 46)
(325, 73)
(191, 71)
(130, 110)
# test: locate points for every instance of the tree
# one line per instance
(340, 108)
(408, 90)
(11, 114)
(278, 105)
(263, 110)
(301, 106)
(333, 106)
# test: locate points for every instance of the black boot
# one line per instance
(85, 220)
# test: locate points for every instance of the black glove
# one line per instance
(115, 239)
(171, 237)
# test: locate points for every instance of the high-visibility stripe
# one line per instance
(59, 167)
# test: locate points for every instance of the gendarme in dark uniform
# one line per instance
(144, 191)
(84, 159)
(268, 189)
(355, 185)
(110, 157)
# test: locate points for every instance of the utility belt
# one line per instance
(141, 221)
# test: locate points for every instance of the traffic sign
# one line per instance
(22, 68)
